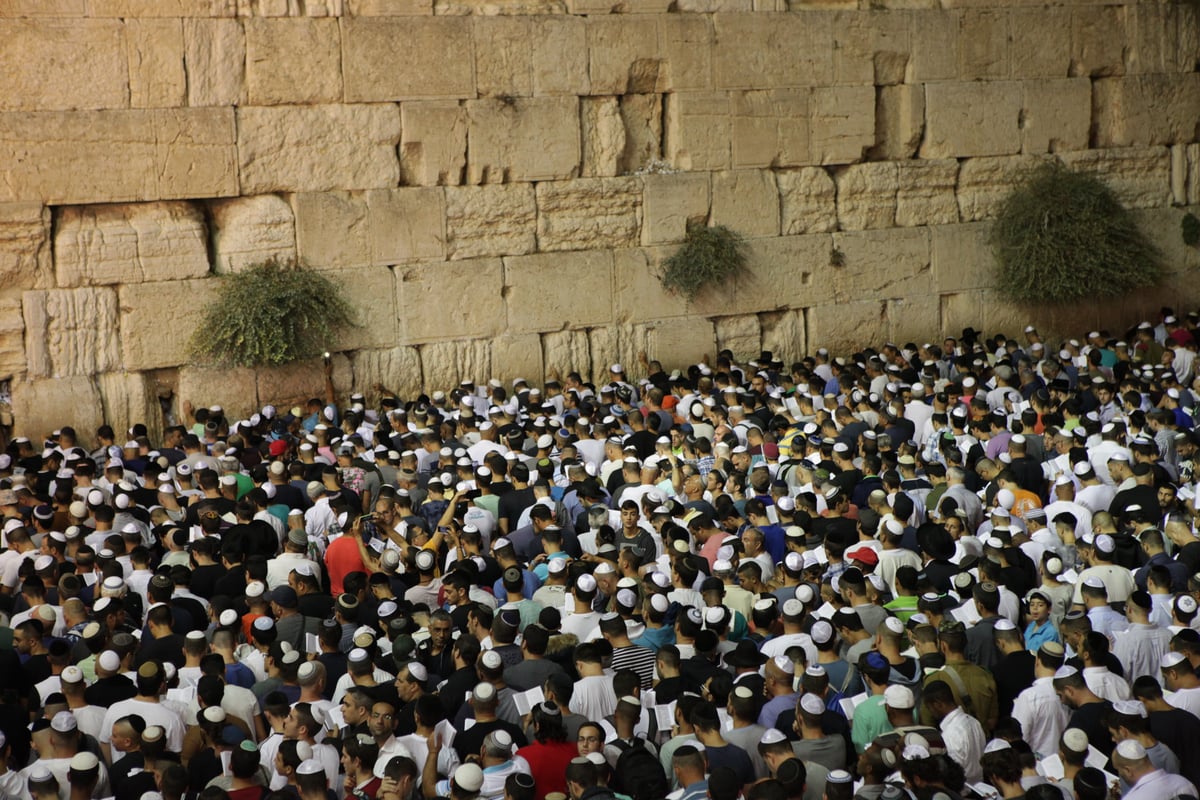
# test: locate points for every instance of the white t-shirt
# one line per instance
(152, 713)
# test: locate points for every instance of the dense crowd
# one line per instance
(967, 569)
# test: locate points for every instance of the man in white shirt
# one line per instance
(1145, 781)
(1180, 680)
(593, 697)
(146, 705)
(1042, 715)
(295, 553)
(962, 733)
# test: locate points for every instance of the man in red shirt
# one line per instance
(343, 556)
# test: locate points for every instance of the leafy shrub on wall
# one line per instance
(709, 256)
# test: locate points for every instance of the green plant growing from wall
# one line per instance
(709, 256)
(270, 314)
(1063, 235)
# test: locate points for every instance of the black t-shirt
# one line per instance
(107, 691)
(204, 579)
(1089, 718)
(469, 742)
(168, 648)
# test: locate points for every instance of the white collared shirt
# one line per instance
(965, 741)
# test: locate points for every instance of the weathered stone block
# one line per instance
(842, 125)
(880, 264)
(848, 326)
(407, 225)
(129, 398)
(589, 213)
(983, 44)
(961, 257)
(234, 389)
(432, 295)
(567, 351)
(251, 230)
(42, 406)
(154, 50)
(670, 202)
(546, 292)
(1141, 176)
(783, 334)
(492, 8)
(787, 271)
(1192, 178)
(741, 334)
(522, 139)
(1056, 115)
(624, 55)
(603, 136)
(12, 337)
(933, 43)
(559, 55)
(866, 195)
(687, 44)
(640, 294)
(294, 60)
(972, 119)
(747, 201)
(390, 8)
(684, 340)
(498, 220)
(642, 119)
(433, 143)
(770, 128)
(808, 201)
(699, 130)
(371, 292)
(162, 8)
(1098, 37)
(332, 229)
(293, 384)
(24, 246)
(65, 157)
(914, 318)
(1158, 32)
(615, 344)
(43, 8)
(790, 50)
(396, 368)
(318, 148)
(446, 364)
(925, 193)
(108, 244)
(869, 48)
(899, 121)
(1161, 226)
(502, 56)
(215, 55)
(1037, 51)
(1147, 109)
(983, 183)
(71, 331)
(52, 64)
(142, 306)
(399, 58)
(518, 356)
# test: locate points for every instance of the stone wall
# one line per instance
(498, 181)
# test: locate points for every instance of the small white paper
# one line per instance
(184, 695)
(1052, 767)
(967, 614)
(664, 716)
(848, 704)
(1070, 576)
(468, 723)
(985, 790)
(525, 701)
(819, 552)
(1095, 758)
(312, 644)
(826, 611)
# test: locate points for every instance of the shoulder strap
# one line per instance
(957, 680)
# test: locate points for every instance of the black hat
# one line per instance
(746, 654)
(935, 541)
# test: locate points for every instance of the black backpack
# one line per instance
(638, 772)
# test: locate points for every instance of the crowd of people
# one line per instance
(966, 569)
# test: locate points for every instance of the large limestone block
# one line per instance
(925, 193)
(371, 293)
(232, 388)
(1098, 40)
(687, 45)
(615, 344)
(670, 202)
(603, 136)
(129, 398)
(1141, 176)
(869, 48)
(72, 331)
(642, 119)
(399, 58)
(788, 271)
(972, 119)
(807, 201)
(1038, 50)
(389, 8)
(158, 327)
(155, 53)
(407, 224)
(899, 121)
(914, 319)
(293, 384)
(445, 365)
(215, 56)
(783, 333)
(983, 183)
(452, 300)
(499, 220)
(163, 8)
(640, 295)
(624, 55)
(433, 143)
(1056, 115)
(522, 139)
(503, 66)
(983, 42)
(52, 64)
(893, 263)
(1160, 31)
(24, 245)
(589, 213)
(398, 369)
(699, 129)
(961, 257)
(332, 229)
(1162, 226)
(842, 125)
(747, 201)
(558, 57)
(567, 351)
(866, 195)
(770, 128)
(550, 291)
(108, 244)
(847, 327)
(43, 8)
(933, 41)
(493, 8)
(251, 230)
(789, 50)
(1147, 109)
(42, 406)
(318, 148)
(65, 157)
(1192, 174)
(741, 334)
(679, 341)
(12, 336)
(518, 356)
(294, 60)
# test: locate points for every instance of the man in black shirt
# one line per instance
(162, 644)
